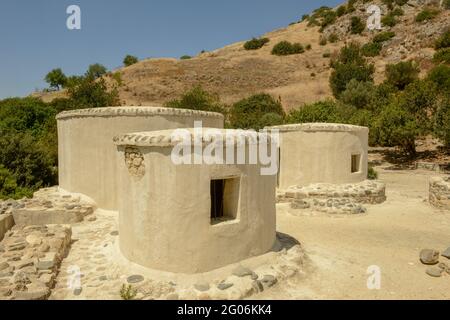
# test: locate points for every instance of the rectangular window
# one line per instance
(224, 199)
(356, 162)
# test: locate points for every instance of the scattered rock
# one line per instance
(434, 272)
(446, 253)
(241, 271)
(114, 233)
(77, 291)
(40, 293)
(135, 279)
(429, 256)
(33, 240)
(257, 286)
(3, 266)
(202, 286)
(224, 286)
(269, 280)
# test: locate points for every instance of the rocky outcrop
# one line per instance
(439, 192)
(29, 260)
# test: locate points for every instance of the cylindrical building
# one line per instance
(322, 153)
(87, 155)
(191, 218)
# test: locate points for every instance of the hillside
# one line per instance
(234, 73)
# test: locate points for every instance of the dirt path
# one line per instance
(390, 236)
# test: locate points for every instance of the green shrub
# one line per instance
(372, 174)
(349, 65)
(443, 41)
(130, 60)
(383, 36)
(341, 11)
(389, 20)
(252, 112)
(398, 12)
(446, 4)
(442, 121)
(357, 25)
(359, 94)
(255, 43)
(371, 49)
(389, 4)
(333, 38)
(91, 93)
(326, 54)
(328, 18)
(197, 99)
(185, 57)
(323, 41)
(96, 71)
(127, 292)
(56, 79)
(327, 111)
(401, 2)
(308, 47)
(397, 127)
(426, 15)
(401, 74)
(285, 48)
(440, 75)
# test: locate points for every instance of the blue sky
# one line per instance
(34, 38)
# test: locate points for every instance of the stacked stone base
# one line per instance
(334, 199)
(439, 192)
(29, 261)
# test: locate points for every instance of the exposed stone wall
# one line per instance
(439, 194)
(334, 199)
(29, 261)
(51, 206)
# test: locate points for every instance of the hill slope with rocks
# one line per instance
(234, 73)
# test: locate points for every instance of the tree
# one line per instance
(401, 74)
(327, 111)
(359, 94)
(357, 26)
(251, 113)
(130, 60)
(350, 64)
(442, 121)
(56, 79)
(90, 93)
(197, 99)
(95, 71)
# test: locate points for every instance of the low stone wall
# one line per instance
(335, 199)
(6, 223)
(439, 192)
(29, 260)
(51, 206)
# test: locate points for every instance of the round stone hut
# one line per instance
(195, 213)
(322, 153)
(86, 151)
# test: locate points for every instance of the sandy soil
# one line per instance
(390, 236)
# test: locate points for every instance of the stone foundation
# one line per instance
(29, 261)
(51, 206)
(6, 223)
(334, 199)
(439, 193)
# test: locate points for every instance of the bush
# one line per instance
(389, 20)
(285, 48)
(440, 76)
(328, 18)
(56, 79)
(323, 41)
(398, 12)
(327, 111)
(357, 26)
(371, 49)
(341, 11)
(96, 71)
(91, 93)
(401, 74)
(397, 127)
(372, 174)
(446, 4)
(359, 94)
(130, 60)
(185, 57)
(252, 112)
(401, 2)
(333, 38)
(442, 121)
(443, 41)
(383, 36)
(255, 44)
(426, 15)
(197, 99)
(326, 54)
(349, 65)
(308, 47)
